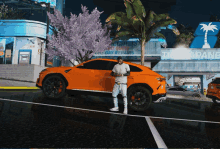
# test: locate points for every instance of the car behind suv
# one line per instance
(93, 77)
(213, 91)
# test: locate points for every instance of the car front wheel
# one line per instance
(139, 98)
(54, 87)
(216, 101)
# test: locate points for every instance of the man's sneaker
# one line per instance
(125, 111)
(114, 109)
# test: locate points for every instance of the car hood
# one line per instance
(57, 69)
(152, 73)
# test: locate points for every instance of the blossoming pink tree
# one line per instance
(77, 37)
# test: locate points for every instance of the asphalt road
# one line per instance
(27, 119)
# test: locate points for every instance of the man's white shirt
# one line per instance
(121, 69)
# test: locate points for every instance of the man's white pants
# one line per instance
(122, 88)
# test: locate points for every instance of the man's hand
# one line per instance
(118, 75)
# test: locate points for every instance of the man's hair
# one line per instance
(119, 58)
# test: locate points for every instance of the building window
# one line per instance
(6, 50)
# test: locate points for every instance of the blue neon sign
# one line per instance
(52, 2)
(206, 35)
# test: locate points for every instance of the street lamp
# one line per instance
(44, 4)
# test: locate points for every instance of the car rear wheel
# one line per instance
(139, 98)
(216, 100)
(54, 87)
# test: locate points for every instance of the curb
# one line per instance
(18, 88)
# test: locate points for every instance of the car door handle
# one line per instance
(130, 77)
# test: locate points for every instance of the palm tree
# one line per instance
(185, 37)
(136, 22)
(207, 28)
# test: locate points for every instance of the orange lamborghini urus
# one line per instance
(93, 77)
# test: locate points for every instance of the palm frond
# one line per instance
(113, 16)
(160, 35)
(129, 9)
(139, 9)
(161, 17)
(149, 18)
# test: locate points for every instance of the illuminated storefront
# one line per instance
(194, 66)
(22, 42)
(130, 51)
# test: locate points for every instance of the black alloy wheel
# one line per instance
(54, 87)
(216, 100)
(139, 98)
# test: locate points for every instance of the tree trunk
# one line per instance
(206, 37)
(142, 51)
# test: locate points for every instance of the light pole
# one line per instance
(43, 4)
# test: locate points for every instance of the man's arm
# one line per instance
(127, 70)
(127, 74)
(114, 74)
(120, 75)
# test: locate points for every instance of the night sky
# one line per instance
(190, 12)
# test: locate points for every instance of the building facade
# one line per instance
(29, 34)
(22, 42)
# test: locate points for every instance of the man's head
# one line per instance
(120, 60)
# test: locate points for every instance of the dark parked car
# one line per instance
(182, 92)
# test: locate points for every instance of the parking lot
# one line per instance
(29, 119)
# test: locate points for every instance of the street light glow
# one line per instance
(181, 53)
(43, 5)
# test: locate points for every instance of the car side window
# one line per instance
(111, 65)
(97, 65)
(180, 89)
(134, 69)
(217, 81)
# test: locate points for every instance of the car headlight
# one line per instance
(212, 87)
(161, 86)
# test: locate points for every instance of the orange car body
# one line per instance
(213, 90)
(101, 81)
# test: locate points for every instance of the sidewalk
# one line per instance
(203, 98)
(8, 84)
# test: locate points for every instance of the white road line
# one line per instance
(109, 112)
(156, 135)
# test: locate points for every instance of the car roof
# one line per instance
(113, 60)
(130, 63)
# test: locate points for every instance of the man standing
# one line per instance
(120, 72)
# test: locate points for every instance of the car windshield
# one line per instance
(216, 81)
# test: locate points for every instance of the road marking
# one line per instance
(110, 112)
(156, 135)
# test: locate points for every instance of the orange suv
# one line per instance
(93, 77)
(213, 91)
